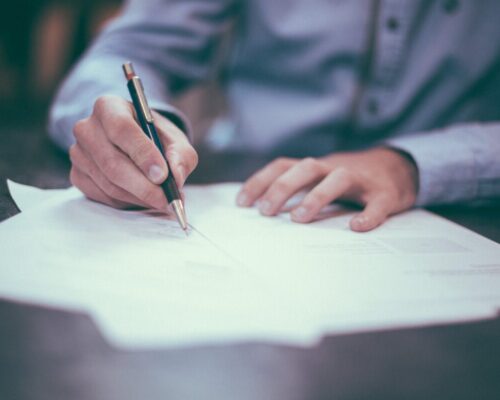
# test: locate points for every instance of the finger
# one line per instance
(117, 167)
(91, 190)
(84, 162)
(258, 183)
(182, 157)
(374, 214)
(338, 182)
(116, 117)
(302, 174)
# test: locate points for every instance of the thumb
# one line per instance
(375, 213)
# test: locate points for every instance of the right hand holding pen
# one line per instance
(115, 163)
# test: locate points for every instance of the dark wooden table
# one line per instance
(49, 354)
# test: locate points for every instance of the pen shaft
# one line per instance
(146, 121)
(169, 186)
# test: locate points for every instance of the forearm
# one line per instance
(170, 44)
(97, 76)
(457, 164)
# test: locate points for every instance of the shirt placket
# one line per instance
(391, 29)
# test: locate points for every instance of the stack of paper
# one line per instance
(240, 276)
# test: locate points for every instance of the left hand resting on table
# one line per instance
(382, 180)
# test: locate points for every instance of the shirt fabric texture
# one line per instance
(311, 77)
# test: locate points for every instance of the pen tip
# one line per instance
(180, 214)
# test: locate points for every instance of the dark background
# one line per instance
(39, 41)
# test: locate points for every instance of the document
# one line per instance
(239, 276)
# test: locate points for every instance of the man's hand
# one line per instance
(115, 163)
(382, 180)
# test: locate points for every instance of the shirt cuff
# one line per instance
(177, 117)
(446, 166)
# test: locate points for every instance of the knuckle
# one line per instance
(281, 162)
(102, 103)
(80, 130)
(312, 165)
(308, 162)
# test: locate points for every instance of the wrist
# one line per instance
(407, 159)
(405, 163)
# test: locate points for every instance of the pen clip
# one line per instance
(143, 102)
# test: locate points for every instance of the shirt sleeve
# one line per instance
(457, 164)
(171, 44)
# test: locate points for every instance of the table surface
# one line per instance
(53, 354)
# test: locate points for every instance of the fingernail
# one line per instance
(300, 213)
(265, 207)
(358, 222)
(242, 199)
(156, 174)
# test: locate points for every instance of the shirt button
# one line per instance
(392, 24)
(451, 6)
(372, 106)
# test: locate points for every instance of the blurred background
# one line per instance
(39, 42)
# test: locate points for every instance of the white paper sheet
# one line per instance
(30, 196)
(240, 276)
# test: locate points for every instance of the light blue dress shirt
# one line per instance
(311, 77)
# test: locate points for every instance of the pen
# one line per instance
(146, 121)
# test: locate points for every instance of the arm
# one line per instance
(170, 42)
(457, 164)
